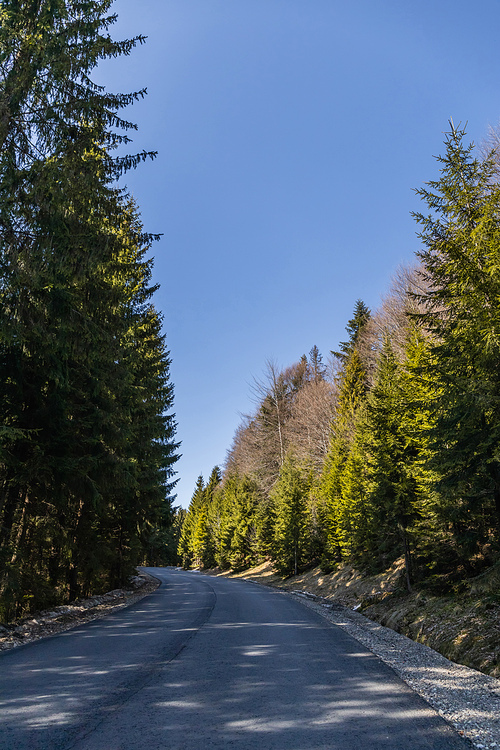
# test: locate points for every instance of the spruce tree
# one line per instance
(197, 541)
(290, 518)
(392, 489)
(200, 542)
(185, 549)
(354, 328)
(461, 238)
(315, 368)
(245, 499)
(221, 521)
(353, 524)
(74, 286)
(352, 389)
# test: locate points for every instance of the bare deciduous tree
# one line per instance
(284, 399)
(309, 428)
(393, 319)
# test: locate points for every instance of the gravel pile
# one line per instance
(468, 699)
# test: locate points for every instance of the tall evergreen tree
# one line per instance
(290, 518)
(392, 489)
(78, 480)
(354, 328)
(315, 367)
(461, 237)
(244, 500)
(201, 540)
(384, 485)
(352, 390)
(185, 549)
(197, 542)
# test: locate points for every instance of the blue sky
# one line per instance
(290, 136)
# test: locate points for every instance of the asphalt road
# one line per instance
(210, 663)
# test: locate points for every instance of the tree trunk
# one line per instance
(408, 560)
(15, 497)
(21, 531)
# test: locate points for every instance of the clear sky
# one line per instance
(291, 134)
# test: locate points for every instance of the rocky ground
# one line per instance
(58, 619)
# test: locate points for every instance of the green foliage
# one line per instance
(290, 518)
(264, 528)
(461, 259)
(352, 520)
(185, 548)
(354, 328)
(392, 491)
(200, 543)
(88, 445)
(197, 544)
(352, 390)
(242, 497)
(385, 501)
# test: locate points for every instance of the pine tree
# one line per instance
(353, 523)
(352, 390)
(392, 490)
(461, 261)
(354, 328)
(245, 499)
(418, 393)
(205, 555)
(197, 545)
(185, 549)
(315, 368)
(290, 512)
(74, 287)
(264, 528)
(221, 521)
(201, 540)
(386, 503)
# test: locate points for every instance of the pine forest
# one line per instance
(386, 448)
(87, 434)
(389, 448)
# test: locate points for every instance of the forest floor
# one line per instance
(464, 628)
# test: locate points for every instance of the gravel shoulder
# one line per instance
(58, 619)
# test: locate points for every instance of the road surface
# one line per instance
(210, 663)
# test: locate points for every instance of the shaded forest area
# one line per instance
(86, 439)
(392, 451)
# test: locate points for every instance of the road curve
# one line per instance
(210, 663)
